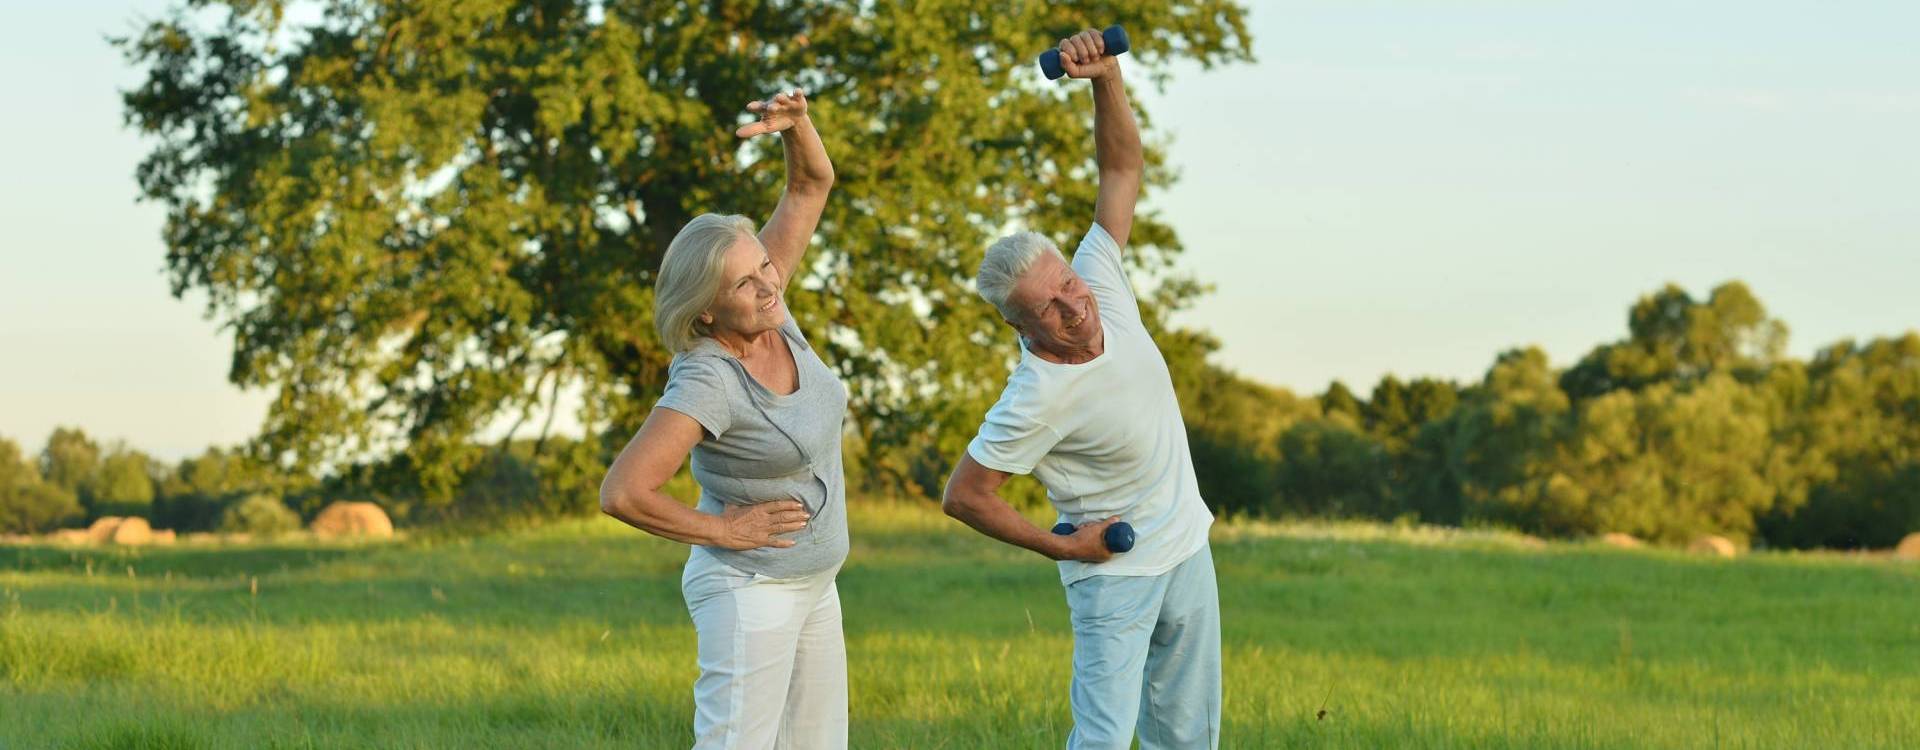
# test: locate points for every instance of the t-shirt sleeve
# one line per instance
(1098, 262)
(1013, 438)
(698, 389)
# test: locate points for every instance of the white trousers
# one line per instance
(773, 665)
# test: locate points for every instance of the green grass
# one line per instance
(574, 635)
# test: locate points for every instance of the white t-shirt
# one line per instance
(1105, 436)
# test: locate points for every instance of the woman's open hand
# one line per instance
(745, 527)
(778, 112)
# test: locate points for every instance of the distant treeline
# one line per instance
(75, 480)
(1695, 423)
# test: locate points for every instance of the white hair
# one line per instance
(690, 276)
(1008, 259)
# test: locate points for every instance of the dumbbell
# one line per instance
(1119, 536)
(1114, 36)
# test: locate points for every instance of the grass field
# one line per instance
(574, 635)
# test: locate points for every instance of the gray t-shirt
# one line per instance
(761, 446)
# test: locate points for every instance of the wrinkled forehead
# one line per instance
(1044, 277)
(743, 257)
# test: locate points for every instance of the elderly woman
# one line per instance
(761, 415)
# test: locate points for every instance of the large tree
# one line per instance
(423, 218)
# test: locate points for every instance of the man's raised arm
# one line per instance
(1116, 137)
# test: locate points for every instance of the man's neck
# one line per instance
(1071, 355)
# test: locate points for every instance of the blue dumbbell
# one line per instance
(1119, 536)
(1114, 36)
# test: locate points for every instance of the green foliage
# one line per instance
(1493, 444)
(260, 515)
(193, 496)
(1396, 415)
(570, 472)
(1397, 410)
(1693, 425)
(517, 483)
(1233, 427)
(499, 486)
(29, 504)
(1859, 436)
(124, 485)
(114, 481)
(1331, 468)
(70, 460)
(1672, 337)
(1339, 402)
(421, 217)
(1671, 464)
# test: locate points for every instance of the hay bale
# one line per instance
(132, 531)
(102, 529)
(1909, 548)
(163, 536)
(1623, 541)
(344, 519)
(1718, 546)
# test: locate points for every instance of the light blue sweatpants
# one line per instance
(1146, 653)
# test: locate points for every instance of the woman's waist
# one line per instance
(821, 552)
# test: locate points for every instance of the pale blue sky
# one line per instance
(1402, 187)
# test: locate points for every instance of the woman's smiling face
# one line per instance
(749, 300)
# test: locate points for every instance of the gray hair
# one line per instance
(690, 276)
(1009, 258)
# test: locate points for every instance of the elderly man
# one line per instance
(1090, 412)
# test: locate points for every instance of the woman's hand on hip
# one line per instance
(747, 527)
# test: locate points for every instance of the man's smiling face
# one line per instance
(1057, 310)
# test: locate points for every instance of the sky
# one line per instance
(1392, 187)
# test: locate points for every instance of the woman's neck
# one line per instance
(742, 345)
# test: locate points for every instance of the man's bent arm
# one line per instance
(972, 496)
